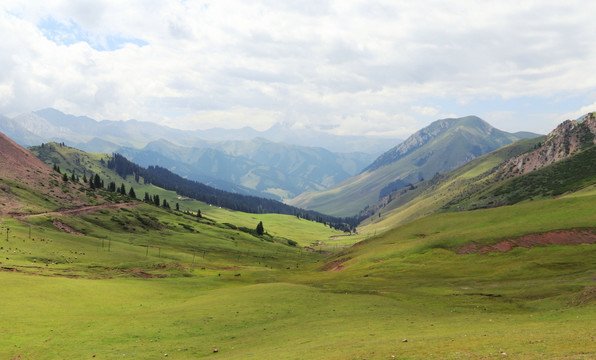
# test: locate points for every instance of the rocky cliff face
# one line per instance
(567, 139)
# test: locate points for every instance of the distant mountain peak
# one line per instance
(427, 134)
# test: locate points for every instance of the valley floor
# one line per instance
(292, 315)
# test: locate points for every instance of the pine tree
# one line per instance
(123, 190)
(260, 229)
(65, 177)
(97, 182)
(177, 207)
(199, 215)
(131, 193)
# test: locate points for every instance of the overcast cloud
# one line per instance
(348, 67)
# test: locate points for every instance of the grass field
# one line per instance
(402, 294)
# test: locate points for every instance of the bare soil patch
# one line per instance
(335, 265)
(79, 210)
(65, 228)
(561, 237)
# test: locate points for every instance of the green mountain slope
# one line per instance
(530, 169)
(440, 147)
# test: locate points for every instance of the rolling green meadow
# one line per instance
(143, 282)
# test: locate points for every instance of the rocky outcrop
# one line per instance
(568, 138)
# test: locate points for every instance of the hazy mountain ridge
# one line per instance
(78, 130)
(256, 167)
(240, 160)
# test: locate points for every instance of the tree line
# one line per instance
(167, 180)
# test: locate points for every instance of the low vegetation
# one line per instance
(127, 279)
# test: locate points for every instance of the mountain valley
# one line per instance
(492, 255)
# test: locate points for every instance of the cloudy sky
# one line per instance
(348, 67)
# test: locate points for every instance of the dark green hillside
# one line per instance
(569, 175)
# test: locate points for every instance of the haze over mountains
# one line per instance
(53, 125)
(279, 163)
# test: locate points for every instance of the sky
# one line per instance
(348, 67)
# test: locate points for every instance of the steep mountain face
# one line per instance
(442, 146)
(478, 133)
(567, 139)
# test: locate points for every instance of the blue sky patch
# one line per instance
(72, 33)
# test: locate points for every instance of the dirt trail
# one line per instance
(78, 211)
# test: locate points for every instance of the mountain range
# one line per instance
(256, 167)
(52, 125)
(279, 163)
(440, 147)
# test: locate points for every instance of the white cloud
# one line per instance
(425, 110)
(338, 64)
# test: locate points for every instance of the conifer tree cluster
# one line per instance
(167, 180)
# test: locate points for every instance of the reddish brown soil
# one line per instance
(21, 166)
(335, 266)
(80, 210)
(561, 237)
(65, 228)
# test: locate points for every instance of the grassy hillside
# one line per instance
(442, 191)
(71, 160)
(482, 183)
(441, 147)
(406, 293)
